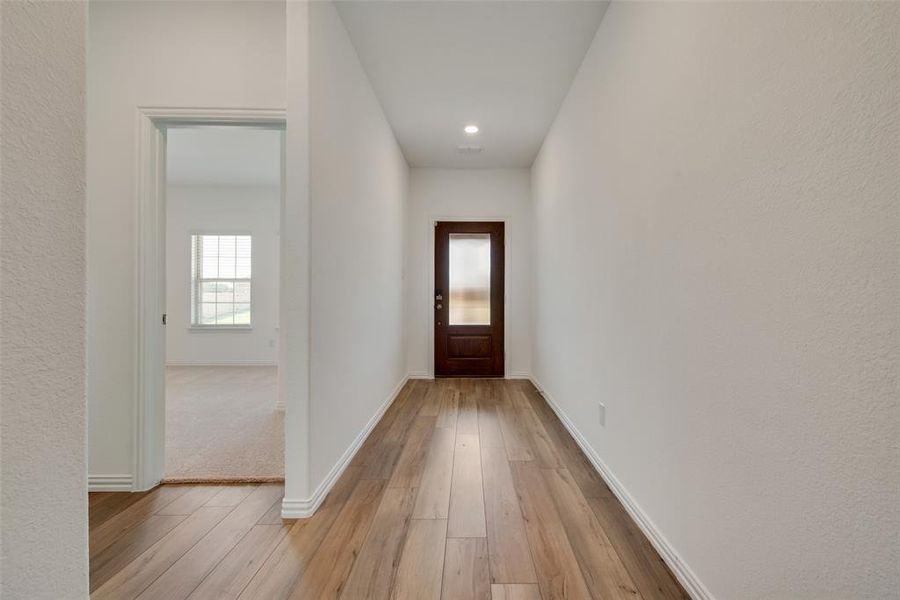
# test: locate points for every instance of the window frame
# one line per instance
(195, 295)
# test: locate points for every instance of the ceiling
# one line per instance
(226, 155)
(438, 66)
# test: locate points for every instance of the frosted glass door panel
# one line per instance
(470, 279)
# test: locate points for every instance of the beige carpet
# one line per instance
(221, 424)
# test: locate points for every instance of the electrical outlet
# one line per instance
(601, 414)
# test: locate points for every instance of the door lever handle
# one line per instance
(439, 306)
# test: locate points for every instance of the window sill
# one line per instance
(228, 328)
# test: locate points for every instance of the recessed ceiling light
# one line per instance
(471, 129)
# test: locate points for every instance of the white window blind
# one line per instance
(220, 280)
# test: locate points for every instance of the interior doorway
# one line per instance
(222, 220)
(468, 299)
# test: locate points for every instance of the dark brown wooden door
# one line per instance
(468, 299)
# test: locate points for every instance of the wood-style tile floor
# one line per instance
(465, 489)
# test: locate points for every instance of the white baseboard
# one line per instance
(221, 363)
(110, 483)
(688, 579)
(304, 508)
(420, 375)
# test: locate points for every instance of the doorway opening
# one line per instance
(222, 218)
(155, 125)
(468, 299)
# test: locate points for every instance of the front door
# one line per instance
(468, 299)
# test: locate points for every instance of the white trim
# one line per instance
(149, 413)
(110, 483)
(421, 375)
(299, 509)
(688, 579)
(221, 363)
(302, 509)
(149, 395)
(189, 116)
(221, 328)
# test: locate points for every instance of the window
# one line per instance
(470, 279)
(220, 280)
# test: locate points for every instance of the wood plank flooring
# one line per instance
(466, 489)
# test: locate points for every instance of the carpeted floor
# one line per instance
(221, 424)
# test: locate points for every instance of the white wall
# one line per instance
(178, 54)
(194, 209)
(717, 232)
(294, 323)
(358, 187)
(469, 194)
(43, 500)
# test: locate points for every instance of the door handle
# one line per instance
(439, 306)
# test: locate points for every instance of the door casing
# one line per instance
(149, 410)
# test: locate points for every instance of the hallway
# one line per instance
(668, 232)
(465, 489)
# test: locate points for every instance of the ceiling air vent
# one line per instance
(469, 149)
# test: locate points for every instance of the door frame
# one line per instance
(149, 415)
(429, 281)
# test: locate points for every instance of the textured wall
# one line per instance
(718, 260)
(43, 499)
